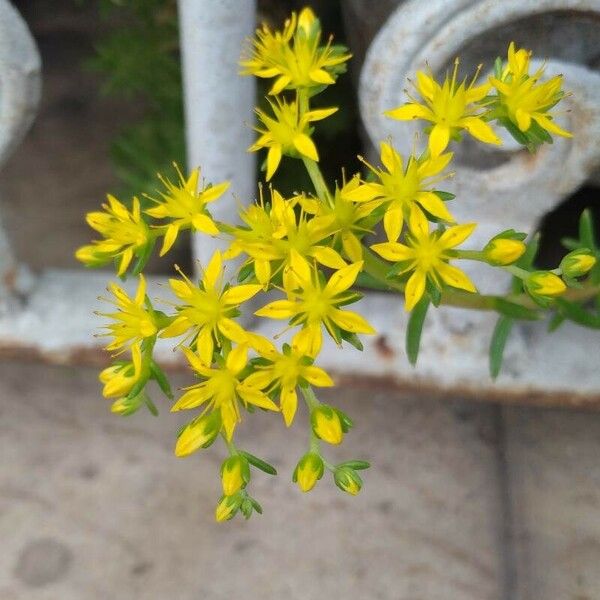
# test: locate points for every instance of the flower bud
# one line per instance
(235, 474)
(308, 471)
(347, 480)
(544, 283)
(577, 263)
(326, 424)
(127, 406)
(227, 507)
(200, 433)
(504, 251)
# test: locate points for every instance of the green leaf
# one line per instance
(357, 465)
(445, 196)
(415, 328)
(499, 337)
(586, 229)
(258, 463)
(577, 314)
(161, 379)
(516, 311)
(555, 322)
(151, 406)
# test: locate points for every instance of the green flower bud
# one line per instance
(578, 263)
(348, 480)
(308, 471)
(503, 251)
(235, 474)
(199, 433)
(326, 424)
(545, 284)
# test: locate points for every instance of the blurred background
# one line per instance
(465, 500)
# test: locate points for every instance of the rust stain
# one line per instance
(382, 347)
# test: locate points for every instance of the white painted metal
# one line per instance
(218, 102)
(515, 194)
(19, 96)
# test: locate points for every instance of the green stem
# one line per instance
(314, 172)
(310, 398)
(231, 447)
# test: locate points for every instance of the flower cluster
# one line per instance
(310, 251)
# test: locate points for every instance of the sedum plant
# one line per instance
(311, 249)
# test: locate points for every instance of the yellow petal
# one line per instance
(426, 85)
(409, 111)
(415, 287)
(550, 125)
(393, 251)
(213, 271)
(196, 361)
(455, 277)
(306, 146)
(363, 193)
(456, 235)
(273, 160)
(480, 130)
(433, 166)
(178, 327)
(391, 160)
(192, 398)
(125, 260)
(140, 295)
(316, 376)
(232, 330)
(438, 139)
(240, 293)
(417, 223)
(308, 341)
(351, 321)
(169, 239)
(204, 224)
(237, 359)
(393, 221)
(205, 345)
(328, 256)
(280, 84)
(321, 76)
(434, 205)
(280, 309)
(256, 397)
(260, 379)
(213, 192)
(319, 114)
(352, 246)
(289, 403)
(341, 280)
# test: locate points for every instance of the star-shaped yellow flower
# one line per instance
(134, 321)
(451, 107)
(314, 303)
(185, 205)
(223, 389)
(407, 188)
(209, 309)
(523, 98)
(426, 255)
(125, 234)
(288, 132)
(295, 56)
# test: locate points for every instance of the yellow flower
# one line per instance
(314, 303)
(426, 255)
(198, 433)
(294, 56)
(308, 471)
(406, 188)
(281, 373)
(451, 107)
(135, 319)
(209, 309)
(222, 389)
(522, 98)
(235, 474)
(185, 205)
(350, 218)
(292, 232)
(288, 133)
(504, 251)
(119, 379)
(327, 424)
(545, 284)
(126, 235)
